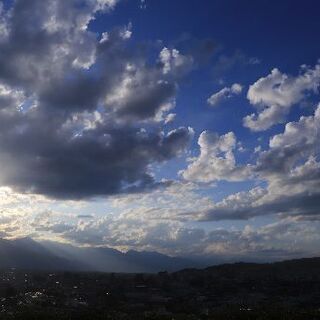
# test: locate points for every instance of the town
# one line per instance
(287, 290)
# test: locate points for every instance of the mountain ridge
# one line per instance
(26, 253)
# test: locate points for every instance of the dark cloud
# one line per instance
(85, 216)
(102, 161)
(304, 204)
(77, 131)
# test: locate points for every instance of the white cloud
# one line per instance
(216, 160)
(225, 93)
(305, 131)
(105, 4)
(291, 170)
(174, 62)
(126, 32)
(298, 142)
(11, 99)
(275, 94)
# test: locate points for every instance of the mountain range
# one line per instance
(26, 253)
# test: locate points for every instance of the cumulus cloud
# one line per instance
(72, 104)
(275, 94)
(140, 93)
(225, 93)
(291, 169)
(173, 61)
(216, 160)
(105, 160)
(261, 202)
(299, 141)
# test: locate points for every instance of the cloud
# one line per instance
(298, 141)
(143, 225)
(85, 216)
(216, 160)
(11, 98)
(291, 169)
(104, 160)
(173, 61)
(140, 93)
(278, 240)
(72, 104)
(275, 94)
(225, 93)
(260, 202)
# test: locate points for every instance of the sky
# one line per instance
(185, 127)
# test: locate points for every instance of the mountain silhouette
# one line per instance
(26, 253)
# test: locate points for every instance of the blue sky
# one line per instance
(185, 127)
(249, 40)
